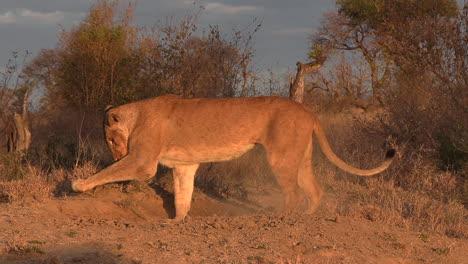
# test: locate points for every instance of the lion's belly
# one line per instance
(179, 156)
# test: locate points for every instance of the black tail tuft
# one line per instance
(390, 154)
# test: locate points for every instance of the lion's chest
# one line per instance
(174, 155)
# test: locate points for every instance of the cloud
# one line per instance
(7, 18)
(228, 9)
(26, 16)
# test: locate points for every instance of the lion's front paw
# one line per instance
(78, 185)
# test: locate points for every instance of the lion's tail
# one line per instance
(325, 146)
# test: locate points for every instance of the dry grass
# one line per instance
(38, 185)
(383, 202)
(33, 186)
(413, 193)
(83, 171)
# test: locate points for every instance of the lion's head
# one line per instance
(116, 133)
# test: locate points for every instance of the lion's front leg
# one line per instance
(183, 189)
(128, 168)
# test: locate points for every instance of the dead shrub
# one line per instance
(63, 177)
(38, 184)
(34, 186)
(12, 166)
(84, 171)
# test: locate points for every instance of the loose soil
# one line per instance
(128, 224)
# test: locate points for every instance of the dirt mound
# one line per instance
(139, 202)
(110, 203)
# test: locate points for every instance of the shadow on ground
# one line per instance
(86, 253)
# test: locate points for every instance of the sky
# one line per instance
(282, 40)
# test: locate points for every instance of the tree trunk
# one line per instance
(11, 135)
(19, 134)
(296, 87)
(23, 139)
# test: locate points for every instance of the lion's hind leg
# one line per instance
(307, 182)
(286, 171)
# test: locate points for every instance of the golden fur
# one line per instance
(182, 133)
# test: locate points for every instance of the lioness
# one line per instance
(182, 133)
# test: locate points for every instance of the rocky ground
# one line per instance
(128, 224)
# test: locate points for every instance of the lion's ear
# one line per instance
(113, 118)
(108, 107)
